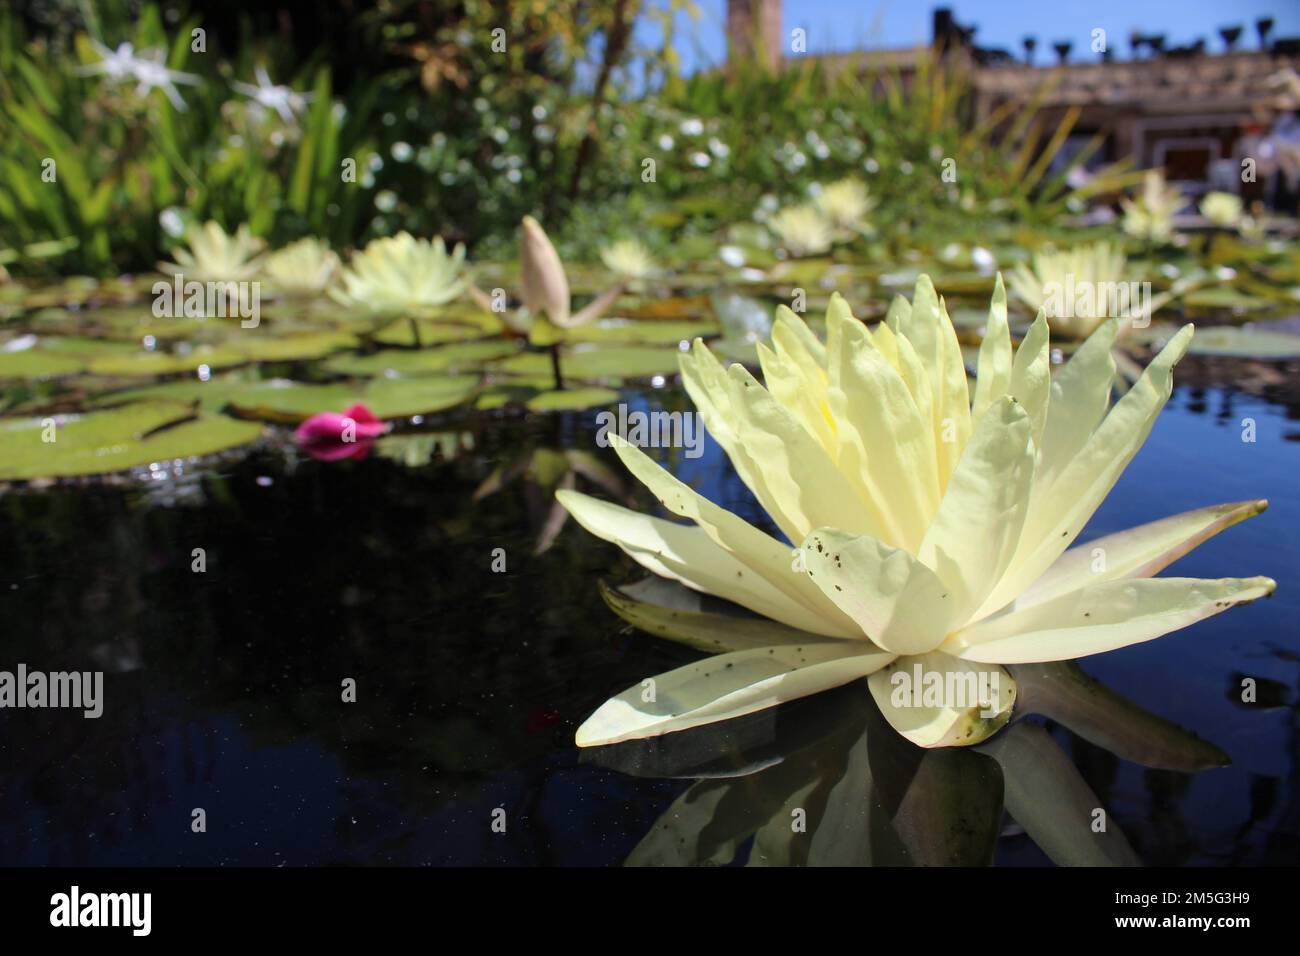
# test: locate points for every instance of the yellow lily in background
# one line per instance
(1082, 287)
(304, 267)
(402, 276)
(802, 230)
(215, 255)
(1222, 209)
(932, 524)
(1151, 215)
(845, 204)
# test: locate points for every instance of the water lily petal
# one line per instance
(1080, 396)
(765, 556)
(1102, 617)
(795, 375)
(994, 371)
(896, 600)
(707, 384)
(1140, 552)
(726, 686)
(798, 474)
(885, 447)
(1031, 374)
(937, 700)
(1057, 513)
(976, 531)
(687, 554)
(930, 331)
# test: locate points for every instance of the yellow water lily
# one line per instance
(1222, 209)
(628, 258)
(1080, 288)
(802, 230)
(1151, 215)
(932, 523)
(844, 204)
(213, 255)
(304, 267)
(402, 275)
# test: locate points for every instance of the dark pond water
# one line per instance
(223, 688)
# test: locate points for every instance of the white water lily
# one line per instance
(304, 267)
(1151, 215)
(212, 254)
(402, 275)
(802, 230)
(628, 258)
(547, 305)
(845, 204)
(1080, 288)
(1222, 209)
(932, 524)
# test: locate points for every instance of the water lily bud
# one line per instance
(545, 286)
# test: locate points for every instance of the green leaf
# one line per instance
(285, 401)
(113, 440)
(572, 399)
(463, 355)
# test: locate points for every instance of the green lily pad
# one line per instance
(146, 364)
(463, 355)
(280, 400)
(1224, 297)
(37, 363)
(113, 440)
(1237, 342)
(642, 333)
(615, 362)
(290, 348)
(572, 399)
(431, 333)
(210, 396)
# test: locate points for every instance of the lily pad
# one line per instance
(290, 348)
(431, 333)
(642, 332)
(113, 440)
(1239, 342)
(616, 362)
(463, 355)
(280, 400)
(572, 399)
(36, 363)
(146, 364)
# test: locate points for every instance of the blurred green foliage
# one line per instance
(460, 118)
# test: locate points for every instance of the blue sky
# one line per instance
(857, 24)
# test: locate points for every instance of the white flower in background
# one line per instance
(802, 230)
(114, 64)
(1080, 288)
(147, 70)
(283, 99)
(215, 255)
(1151, 215)
(628, 258)
(304, 267)
(1222, 209)
(845, 204)
(402, 275)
